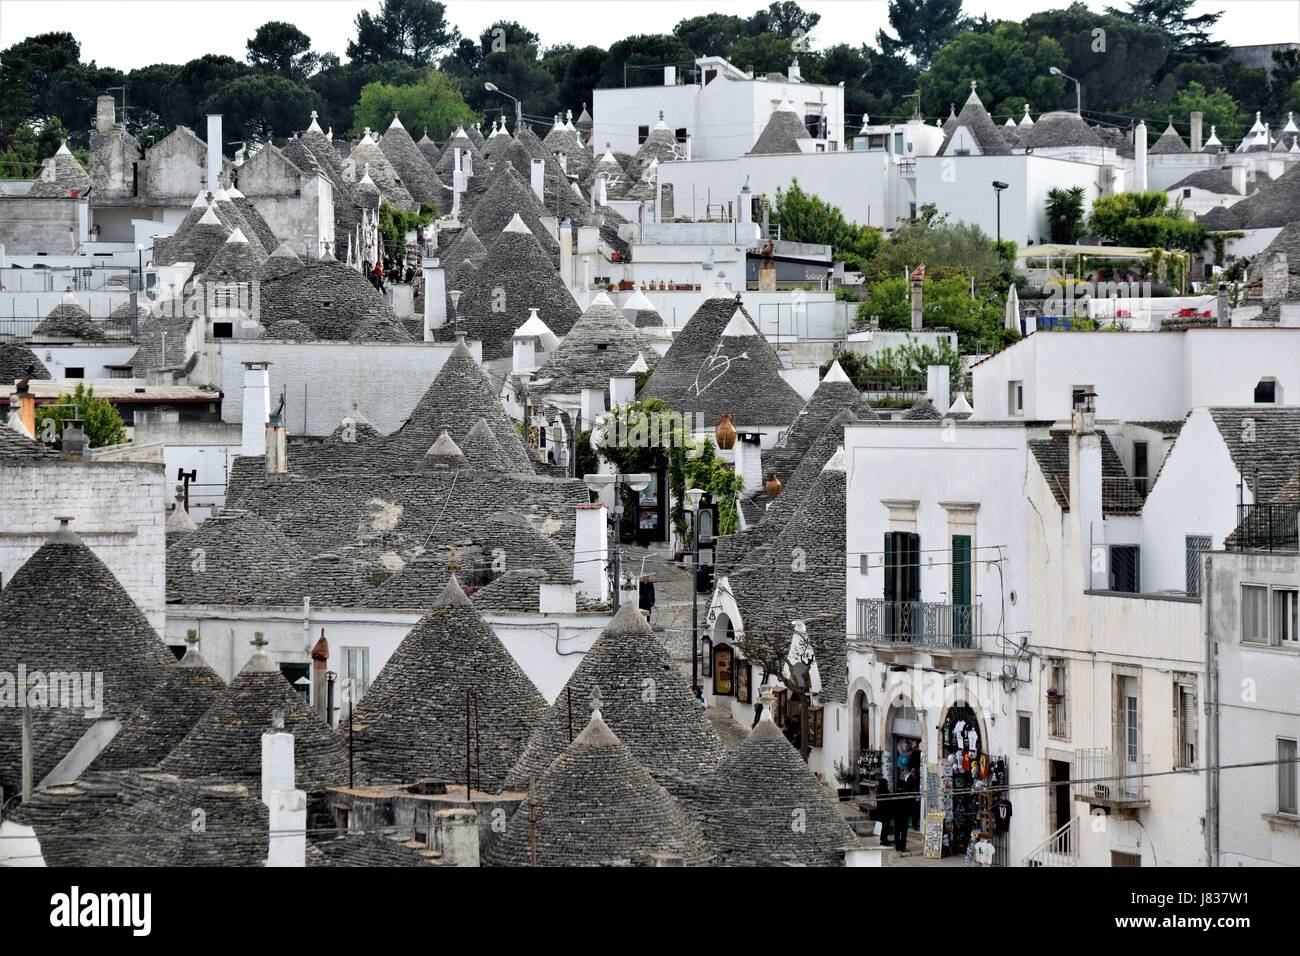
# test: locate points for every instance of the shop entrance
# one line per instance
(1058, 773)
(973, 782)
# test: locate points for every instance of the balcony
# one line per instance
(1266, 527)
(1104, 778)
(941, 629)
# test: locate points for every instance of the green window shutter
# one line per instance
(913, 567)
(961, 569)
(890, 559)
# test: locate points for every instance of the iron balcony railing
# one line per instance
(1266, 527)
(920, 623)
(1105, 776)
(1061, 849)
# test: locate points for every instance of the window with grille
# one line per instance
(1024, 731)
(1287, 773)
(1185, 721)
(1125, 568)
(1196, 545)
(1141, 466)
(1254, 614)
(1058, 711)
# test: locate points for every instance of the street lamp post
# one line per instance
(997, 191)
(693, 496)
(1078, 88)
(519, 110)
(638, 482)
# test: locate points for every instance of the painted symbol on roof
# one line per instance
(713, 368)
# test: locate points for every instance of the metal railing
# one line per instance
(919, 623)
(1104, 776)
(1061, 849)
(1266, 527)
(897, 390)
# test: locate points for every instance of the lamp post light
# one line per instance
(454, 295)
(997, 191)
(693, 496)
(519, 110)
(1078, 88)
(638, 482)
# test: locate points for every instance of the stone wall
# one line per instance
(29, 226)
(118, 510)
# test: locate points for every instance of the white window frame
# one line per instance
(1058, 715)
(1288, 777)
(1185, 727)
(350, 655)
(1025, 715)
(1282, 626)
(1257, 640)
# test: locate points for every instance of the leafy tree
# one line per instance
(256, 105)
(644, 49)
(786, 19)
(576, 73)
(1220, 110)
(340, 86)
(434, 103)
(26, 70)
(711, 34)
(101, 422)
(1283, 82)
(947, 249)
(767, 53)
(283, 48)
(1008, 64)
(152, 99)
(29, 146)
(945, 303)
(1145, 220)
(1111, 67)
(394, 224)
(414, 31)
(1109, 213)
(1064, 213)
(924, 26)
(1189, 36)
(804, 217)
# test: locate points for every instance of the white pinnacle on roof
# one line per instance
(1258, 127)
(1026, 120)
(1214, 139)
(600, 298)
(315, 126)
(63, 148)
(236, 236)
(608, 156)
(739, 326)
(1290, 126)
(636, 299)
(70, 299)
(1295, 147)
(661, 124)
(498, 129)
(516, 225)
(367, 139)
(568, 122)
(221, 195)
(200, 201)
(209, 218)
(365, 175)
(396, 123)
(835, 373)
(233, 193)
(1010, 122)
(639, 365)
(785, 106)
(836, 461)
(960, 406)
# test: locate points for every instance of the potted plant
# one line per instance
(845, 778)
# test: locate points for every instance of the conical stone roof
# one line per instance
(263, 230)
(279, 263)
(482, 449)
(411, 723)
(333, 299)
(595, 805)
(975, 118)
(169, 713)
(519, 276)
(720, 365)
(835, 393)
(226, 742)
(509, 195)
(409, 162)
(601, 345)
(230, 559)
(64, 611)
(447, 162)
(758, 787)
(389, 181)
(1059, 128)
(466, 246)
(198, 244)
(60, 176)
(238, 260)
(429, 150)
(782, 133)
(1169, 142)
(16, 359)
(648, 703)
(69, 320)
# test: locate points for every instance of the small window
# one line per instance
(642, 134)
(1266, 391)
(1254, 614)
(1058, 704)
(1024, 731)
(1284, 617)
(1187, 194)
(1015, 398)
(1141, 466)
(223, 330)
(1286, 776)
(1196, 545)
(681, 135)
(356, 671)
(74, 372)
(121, 373)
(1185, 721)
(1126, 568)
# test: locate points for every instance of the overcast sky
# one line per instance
(131, 33)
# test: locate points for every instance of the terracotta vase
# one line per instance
(725, 434)
(772, 486)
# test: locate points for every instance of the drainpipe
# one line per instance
(1211, 720)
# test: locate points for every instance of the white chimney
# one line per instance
(1085, 494)
(566, 253)
(288, 826)
(599, 192)
(214, 152)
(591, 551)
(1198, 119)
(557, 598)
(257, 408)
(277, 452)
(1140, 158)
(456, 836)
(1239, 180)
(538, 177)
(277, 763)
(937, 386)
(746, 211)
(588, 240)
(670, 76)
(457, 184)
(622, 389)
(593, 404)
(749, 462)
(435, 296)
